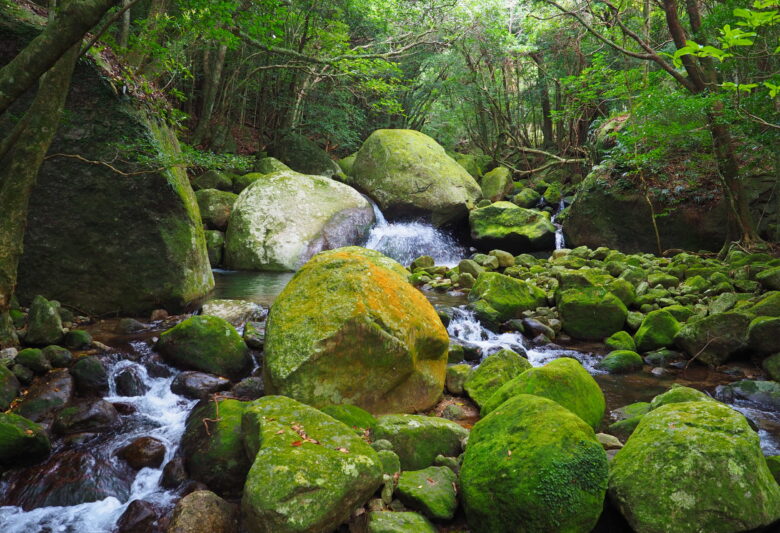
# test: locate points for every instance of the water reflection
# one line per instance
(258, 287)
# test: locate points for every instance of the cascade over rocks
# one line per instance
(348, 328)
(280, 221)
(409, 174)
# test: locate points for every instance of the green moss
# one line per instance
(430, 491)
(621, 362)
(419, 439)
(764, 335)
(620, 340)
(496, 184)
(714, 339)
(493, 372)
(22, 441)
(679, 394)
(591, 313)
(352, 416)
(9, 387)
(527, 198)
(657, 331)
(509, 227)
(389, 522)
(509, 296)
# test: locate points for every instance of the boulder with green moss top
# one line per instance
(346, 163)
(408, 174)
(492, 373)
(242, 182)
(198, 512)
(215, 207)
(527, 198)
(206, 343)
(212, 446)
(269, 165)
(541, 462)
(398, 522)
(212, 179)
(457, 376)
(715, 338)
(694, 466)
(591, 313)
(430, 491)
(764, 335)
(657, 331)
(508, 296)
(509, 227)
(620, 340)
(771, 365)
(281, 221)
(22, 441)
(770, 279)
(552, 194)
(9, 387)
(34, 359)
(310, 471)
(236, 312)
(496, 184)
(773, 462)
(621, 362)
(348, 328)
(419, 439)
(44, 325)
(564, 381)
(359, 420)
(302, 155)
(215, 245)
(768, 305)
(679, 394)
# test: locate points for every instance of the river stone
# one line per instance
(280, 222)
(408, 174)
(456, 377)
(212, 180)
(34, 359)
(656, 331)
(254, 335)
(348, 328)
(77, 339)
(770, 279)
(765, 394)
(310, 471)
(714, 339)
(139, 517)
(212, 447)
(768, 305)
(58, 356)
(541, 462)
(86, 416)
(418, 440)
(47, 395)
(198, 385)
(22, 441)
(203, 511)
(770, 364)
(143, 452)
(430, 491)
(496, 184)
(237, 312)
(206, 343)
(250, 388)
(174, 473)
(129, 382)
(694, 466)
(509, 227)
(9, 387)
(269, 165)
(591, 313)
(44, 325)
(401, 522)
(215, 207)
(353, 416)
(527, 198)
(215, 243)
(90, 376)
(764, 335)
(493, 372)
(562, 380)
(508, 296)
(620, 340)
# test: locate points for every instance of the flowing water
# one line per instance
(559, 241)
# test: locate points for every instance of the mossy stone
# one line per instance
(22, 441)
(215, 207)
(496, 184)
(714, 339)
(398, 522)
(621, 362)
(771, 365)
(770, 279)
(391, 463)
(456, 377)
(768, 305)
(620, 340)
(509, 296)
(773, 462)
(212, 179)
(310, 471)
(269, 165)
(9, 387)
(215, 243)
(679, 394)
(77, 339)
(419, 439)
(657, 331)
(58, 356)
(213, 448)
(359, 420)
(242, 182)
(430, 491)
(302, 155)
(764, 335)
(506, 226)
(591, 313)
(44, 325)
(493, 372)
(346, 163)
(34, 359)
(89, 375)
(535, 465)
(206, 343)
(527, 198)
(694, 466)
(348, 328)
(562, 380)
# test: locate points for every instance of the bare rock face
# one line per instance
(203, 511)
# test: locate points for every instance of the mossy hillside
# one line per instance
(591, 313)
(152, 250)
(493, 372)
(508, 296)
(533, 464)
(512, 228)
(564, 381)
(348, 328)
(213, 447)
(694, 466)
(657, 331)
(419, 439)
(206, 343)
(22, 441)
(409, 174)
(310, 471)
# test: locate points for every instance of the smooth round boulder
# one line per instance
(203, 511)
(512, 228)
(508, 296)
(206, 343)
(496, 184)
(621, 362)
(493, 372)
(657, 331)
(198, 385)
(279, 222)
(591, 313)
(90, 376)
(348, 328)
(535, 465)
(9, 387)
(86, 416)
(44, 325)
(694, 466)
(409, 174)
(143, 452)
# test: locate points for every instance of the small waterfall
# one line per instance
(559, 241)
(406, 241)
(465, 328)
(159, 413)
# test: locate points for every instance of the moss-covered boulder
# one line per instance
(764, 394)
(281, 221)
(679, 394)
(419, 439)
(694, 466)
(201, 511)
(527, 198)
(402, 522)
(496, 184)
(591, 313)
(657, 331)
(215, 246)
(771, 365)
(9, 387)
(535, 465)
(214, 180)
(715, 338)
(764, 335)
(206, 343)
(34, 359)
(408, 174)
(215, 207)
(508, 296)
(620, 340)
(564, 381)
(770, 279)
(512, 228)
(353, 416)
(310, 471)
(493, 372)
(105, 241)
(430, 491)
(621, 362)
(44, 325)
(269, 165)
(22, 441)
(302, 155)
(348, 328)
(213, 448)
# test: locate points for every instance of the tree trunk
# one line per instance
(124, 33)
(544, 96)
(213, 77)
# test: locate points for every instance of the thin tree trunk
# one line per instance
(124, 34)
(213, 77)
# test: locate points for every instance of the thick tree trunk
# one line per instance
(213, 77)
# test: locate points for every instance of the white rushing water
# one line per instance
(406, 241)
(159, 413)
(559, 240)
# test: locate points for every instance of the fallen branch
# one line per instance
(113, 168)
